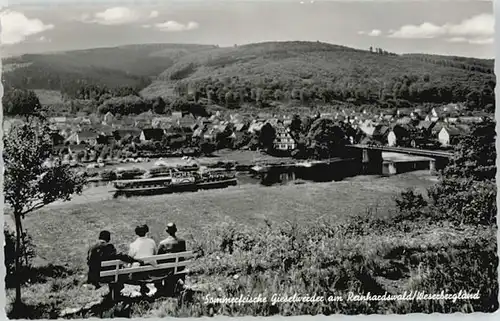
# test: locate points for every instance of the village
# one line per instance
(115, 138)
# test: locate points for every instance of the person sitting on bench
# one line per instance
(172, 244)
(101, 251)
(143, 246)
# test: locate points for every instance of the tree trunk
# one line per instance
(18, 258)
(23, 243)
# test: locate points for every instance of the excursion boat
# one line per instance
(143, 186)
(176, 181)
(189, 168)
(217, 179)
(129, 173)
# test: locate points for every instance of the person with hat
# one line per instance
(172, 244)
(142, 247)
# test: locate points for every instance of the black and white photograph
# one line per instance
(208, 158)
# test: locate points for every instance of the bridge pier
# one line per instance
(432, 167)
(372, 162)
(437, 164)
(392, 168)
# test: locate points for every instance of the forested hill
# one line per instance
(126, 66)
(317, 71)
(264, 72)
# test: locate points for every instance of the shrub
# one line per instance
(27, 253)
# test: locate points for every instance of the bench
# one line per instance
(115, 273)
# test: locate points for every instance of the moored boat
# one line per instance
(164, 179)
(217, 179)
(143, 186)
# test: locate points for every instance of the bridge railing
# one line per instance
(406, 150)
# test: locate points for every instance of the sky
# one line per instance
(449, 27)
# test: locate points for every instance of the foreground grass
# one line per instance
(320, 258)
(325, 259)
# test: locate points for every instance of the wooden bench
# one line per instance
(175, 268)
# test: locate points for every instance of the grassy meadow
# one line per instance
(62, 233)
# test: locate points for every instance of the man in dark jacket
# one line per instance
(101, 251)
(172, 244)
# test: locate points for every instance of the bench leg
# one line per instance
(114, 290)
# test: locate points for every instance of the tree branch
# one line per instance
(33, 208)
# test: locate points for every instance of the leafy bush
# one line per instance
(410, 205)
(27, 253)
(466, 192)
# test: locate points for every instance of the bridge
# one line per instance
(406, 150)
(372, 162)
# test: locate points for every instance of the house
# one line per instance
(380, 133)
(451, 120)
(106, 135)
(402, 112)
(66, 132)
(58, 120)
(57, 139)
(414, 115)
(79, 148)
(177, 136)
(445, 111)
(151, 134)
(210, 134)
(142, 123)
(470, 119)
(392, 139)
(86, 137)
(161, 122)
(10, 123)
(284, 141)
(108, 119)
(198, 132)
(431, 118)
(85, 121)
(187, 121)
(399, 135)
(448, 135)
(127, 122)
(367, 128)
(425, 127)
(264, 116)
(240, 127)
(126, 133)
(437, 128)
(176, 115)
(404, 121)
(255, 127)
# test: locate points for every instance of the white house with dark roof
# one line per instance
(284, 141)
(87, 137)
(448, 134)
(108, 118)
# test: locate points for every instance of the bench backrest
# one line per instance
(182, 259)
